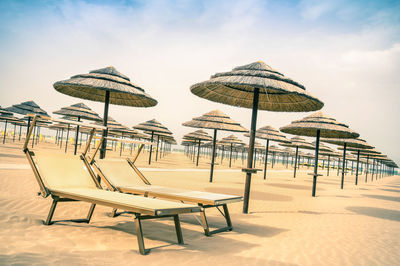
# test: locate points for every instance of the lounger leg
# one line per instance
(113, 213)
(51, 212)
(139, 235)
(178, 229)
(227, 217)
(90, 213)
(205, 223)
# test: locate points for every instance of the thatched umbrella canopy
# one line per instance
(106, 85)
(269, 134)
(78, 111)
(215, 120)
(198, 135)
(256, 86)
(319, 125)
(4, 112)
(25, 108)
(298, 143)
(351, 144)
(156, 128)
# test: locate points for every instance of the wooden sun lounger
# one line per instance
(122, 176)
(69, 178)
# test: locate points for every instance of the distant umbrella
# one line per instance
(215, 120)
(7, 117)
(80, 111)
(231, 140)
(351, 144)
(298, 143)
(25, 108)
(269, 134)
(106, 85)
(198, 135)
(317, 125)
(155, 128)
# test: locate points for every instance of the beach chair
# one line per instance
(68, 178)
(122, 176)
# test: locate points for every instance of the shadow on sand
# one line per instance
(376, 212)
(382, 197)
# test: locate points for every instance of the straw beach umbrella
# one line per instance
(25, 108)
(7, 117)
(215, 120)
(256, 86)
(269, 134)
(106, 85)
(154, 127)
(231, 140)
(80, 111)
(198, 135)
(298, 143)
(319, 125)
(351, 144)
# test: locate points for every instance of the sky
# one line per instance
(346, 53)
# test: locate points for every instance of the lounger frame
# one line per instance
(204, 204)
(58, 196)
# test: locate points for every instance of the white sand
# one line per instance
(355, 226)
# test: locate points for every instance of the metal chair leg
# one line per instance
(227, 217)
(51, 212)
(90, 213)
(178, 229)
(205, 222)
(113, 213)
(139, 235)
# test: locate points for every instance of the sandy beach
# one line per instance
(359, 225)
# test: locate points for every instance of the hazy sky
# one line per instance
(346, 53)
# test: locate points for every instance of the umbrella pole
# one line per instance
(105, 131)
(251, 149)
(76, 136)
(15, 128)
(120, 147)
(34, 135)
(344, 164)
(266, 159)
(61, 138)
(213, 156)
(158, 140)
(198, 153)
(29, 125)
(66, 141)
(358, 160)
(316, 163)
(295, 161)
(151, 146)
(5, 132)
(230, 157)
(366, 169)
(20, 129)
(329, 158)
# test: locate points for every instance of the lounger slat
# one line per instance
(122, 176)
(127, 202)
(206, 198)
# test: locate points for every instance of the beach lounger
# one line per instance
(68, 178)
(122, 176)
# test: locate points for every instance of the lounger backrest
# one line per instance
(119, 173)
(60, 171)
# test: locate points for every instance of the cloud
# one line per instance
(166, 46)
